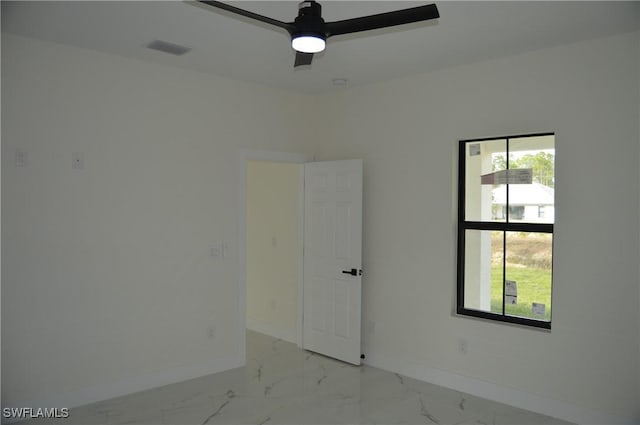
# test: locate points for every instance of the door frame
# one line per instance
(246, 155)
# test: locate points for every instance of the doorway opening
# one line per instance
(329, 205)
(274, 248)
(271, 239)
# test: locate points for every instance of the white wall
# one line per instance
(107, 284)
(407, 130)
(638, 45)
(0, 224)
(274, 247)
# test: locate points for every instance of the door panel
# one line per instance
(333, 244)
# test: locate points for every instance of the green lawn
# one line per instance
(534, 285)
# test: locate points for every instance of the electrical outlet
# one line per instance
(463, 346)
(211, 332)
(219, 250)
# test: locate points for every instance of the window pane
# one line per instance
(528, 275)
(483, 270)
(483, 163)
(531, 191)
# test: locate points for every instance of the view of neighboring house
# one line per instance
(527, 202)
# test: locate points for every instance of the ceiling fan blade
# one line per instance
(287, 26)
(303, 59)
(382, 20)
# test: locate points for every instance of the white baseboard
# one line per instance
(102, 392)
(477, 387)
(288, 335)
(501, 394)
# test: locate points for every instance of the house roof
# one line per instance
(524, 194)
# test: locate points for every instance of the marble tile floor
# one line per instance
(282, 384)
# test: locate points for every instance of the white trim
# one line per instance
(101, 392)
(300, 323)
(491, 391)
(289, 335)
(246, 155)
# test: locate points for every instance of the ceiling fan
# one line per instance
(309, 31)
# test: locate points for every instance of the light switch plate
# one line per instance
(21, 158)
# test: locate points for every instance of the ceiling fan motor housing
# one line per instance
(309, 21)
(309, 32)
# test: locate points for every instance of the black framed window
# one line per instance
(506, 210)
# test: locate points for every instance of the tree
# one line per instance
(499, 162)
(542, 164)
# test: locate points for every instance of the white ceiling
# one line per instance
(235, 47)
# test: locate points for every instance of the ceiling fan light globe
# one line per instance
(308, 43)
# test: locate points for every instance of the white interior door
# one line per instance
(333, 259)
